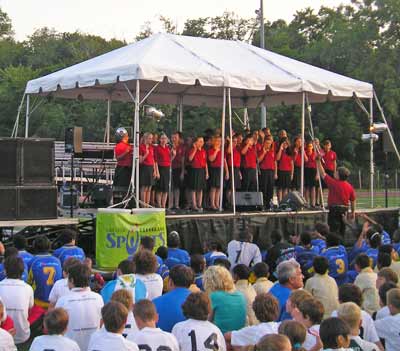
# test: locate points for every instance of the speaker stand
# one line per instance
(71, 186)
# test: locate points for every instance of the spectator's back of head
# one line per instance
(217, 278)
(332, 240)
(334, 333)
(162, 252)
(147, 242)
(343, 173)
(197, 306)
(20, 241)
(10, 251)
(295, 331)
(274, 342)
(79, 275)
(145, 310)
(261, 270)
(56, 321)
(181, 276)
(126, 267)
(384, 260)
(245, 236)
(384, 289)
(69, 262)
(223, 262)
(322, 228)
(387, 248)
(114, 315)
(287, 270)
(123, 296)
(350, 293)
(389, 275)
(351, 314)
(320, 264)
(241, 271)
(67, 236)
(14, 267)
(173, 240)
(393, 300)
(362, 261)
(305, 239)
(374, 237)
(145, 262)
(298, 296)
(197, 263)
(41, 244)
(266, 308)
(312, 309)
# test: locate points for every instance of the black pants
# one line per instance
(267, 185)
(249, 182)
(335, 219)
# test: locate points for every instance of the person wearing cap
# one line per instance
(340, 194)
(123, 153)
(175, 254)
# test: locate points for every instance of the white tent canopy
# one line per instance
(193, 71)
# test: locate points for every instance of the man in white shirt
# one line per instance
(60, 287)
(83, 306)
(110, 337)
(383, 290)
(17, 297)
(124, 296)
(388, 328)
(55, 322)
(351, 314)
(149, 337)
(197, 333)
(6, 340)
(266, 309)
(243, 251)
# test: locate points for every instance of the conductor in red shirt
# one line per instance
(123, 153)
(341, 195)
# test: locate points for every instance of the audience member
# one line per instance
(296, 332)
(20, 243)
(212, 251)
(243, 251)
(274, 342)
(279, 252)
(383, 290)
(124, 296)
(335, 334)
(6, 339)
(176, 255)
(145, 263)
(337, 258)
(262, 284)
(68, 248)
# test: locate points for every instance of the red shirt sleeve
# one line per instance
(8, 324)
(328, 180)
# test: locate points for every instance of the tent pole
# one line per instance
(303, 122)
(27, 116)
(371, 144)
(221, 181)
(230, 144)
(180, 127)
(108, 121)
(137, 141)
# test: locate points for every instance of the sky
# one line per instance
(123, 19)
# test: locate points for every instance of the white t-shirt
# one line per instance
(364, 345)
(60, 288)
(18, 299)
(311, 340)
(53, 343)
(130, 326)
(382, 313)
(102, 340)
(240, 252)
(84, 310)
(251, 335)
(153, 283)
(6, 341)
(152, 339)
(388, 328)
(368, 327)
(198, 335)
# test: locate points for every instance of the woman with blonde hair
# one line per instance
(228, 305)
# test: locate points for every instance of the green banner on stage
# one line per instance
(118, 233)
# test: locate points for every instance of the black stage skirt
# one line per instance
(249, 182)
(284, 181)
(309, 177)
(146, 175)
(296, 183)
(215, 177)
(197, 179)
(177, 183)
(163, 182)
(238, 181)
(122, 176)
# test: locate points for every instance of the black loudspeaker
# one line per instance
(28, 202)
(102, 195)
(292, 201)
(10, 156)
(73, 140)
(248, 200)
(37, 162)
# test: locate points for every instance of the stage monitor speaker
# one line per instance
(102, 195)
(249, 201)
(65, 197)
(37, 162)
(10, 156)
(37, 202)
(8, 203)
(73, 140)
(293, 201)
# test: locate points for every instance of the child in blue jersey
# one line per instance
(148, 243)
(44, 272)
(126, 279)
(321, 231)
(213, 250)
(12, 251)
(175, 254)
(68, 248)
(198, 265)
(368, 242)
(20, 243)
(337, 258)
(305, 254)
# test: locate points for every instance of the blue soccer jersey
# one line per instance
(305, 257)
(338, 263)
(67, 251)
(126, 281)
(24, 276)
(211, 256)
(373, 256)
(44, 272)
(26, 256)
(177, 256)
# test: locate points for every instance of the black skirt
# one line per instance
(296, 183)
(284, 181)
(122, 176)
(309, 177)
(146, 175)
(197, 179)
(163, 182)
(238, 181)
(249, 182)
(215, 177)
(176, 178)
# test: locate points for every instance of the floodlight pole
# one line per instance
(262, 45)
(371, 151)
(27, 116)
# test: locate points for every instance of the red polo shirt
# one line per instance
(162, 155)
(180, 154)
(237, 158)
(329, 160)
(119, 150)
(311, 163)
(199, 159)
(217, 162)
(297, 158)
(250, 158)
(149, 160)
(285, 163)
(340, 191)
(268, 162)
